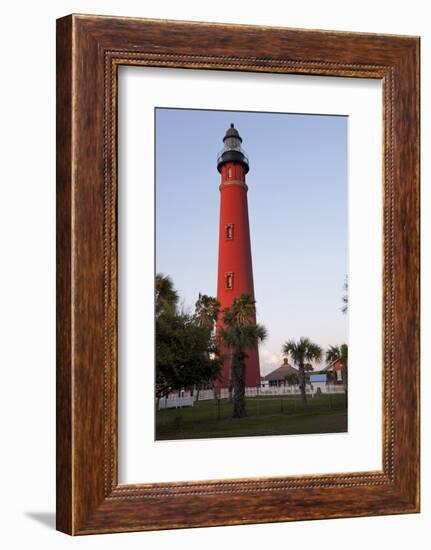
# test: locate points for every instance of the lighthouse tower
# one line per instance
(235, 271)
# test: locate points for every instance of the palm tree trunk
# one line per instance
(301, 374)
(344, 375)
(230, 387)
(344, 378)
(238, 382)
(216, 399)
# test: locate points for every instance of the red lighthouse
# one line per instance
(235, 271)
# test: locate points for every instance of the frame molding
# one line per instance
(89, 51)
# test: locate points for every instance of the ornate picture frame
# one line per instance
(89, 51)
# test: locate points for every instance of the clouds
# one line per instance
(269, 360)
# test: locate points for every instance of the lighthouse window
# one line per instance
(229, 281)
(229, 172)
(229, 231)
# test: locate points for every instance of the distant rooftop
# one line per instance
(281, 372)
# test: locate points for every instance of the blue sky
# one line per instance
(298, 216)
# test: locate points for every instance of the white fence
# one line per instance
(176, 402)
(310, 389)
(187, 399)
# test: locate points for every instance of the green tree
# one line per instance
(301, 352)
(292, 379)
(186, 354)
(339, 353)
(239, 333)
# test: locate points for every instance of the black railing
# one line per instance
(233, 150)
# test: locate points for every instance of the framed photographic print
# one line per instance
(237, 274)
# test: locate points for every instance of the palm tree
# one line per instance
(302, 352)
(166, 297)
(339, 353)
(207, 310)
(240, 332)
(242, 311)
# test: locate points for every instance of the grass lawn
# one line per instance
(284, 415)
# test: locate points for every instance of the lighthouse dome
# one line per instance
(232, 150)
(232, 132)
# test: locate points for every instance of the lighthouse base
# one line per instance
(252, 371)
